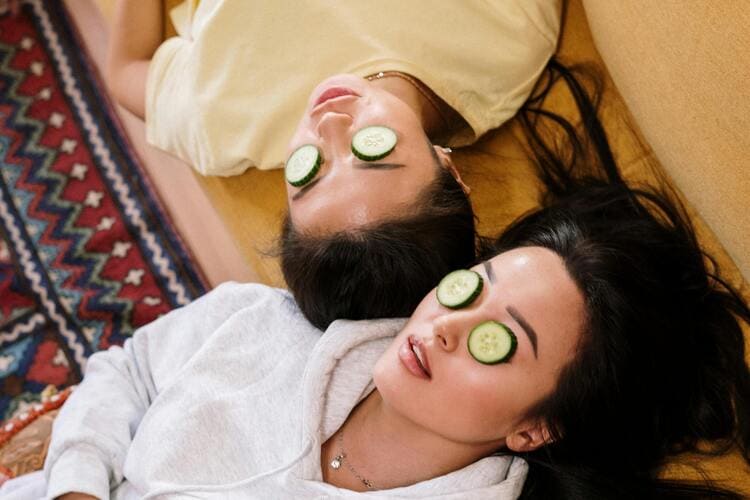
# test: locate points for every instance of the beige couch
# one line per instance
(676, 104)
(683, 69)
(675, 107)
(688, 103)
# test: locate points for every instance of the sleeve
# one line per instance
(488, 73)
(172, 122)
(94, 430)
(191, 112)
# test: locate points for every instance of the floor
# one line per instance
(195, 219)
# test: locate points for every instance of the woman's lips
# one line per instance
(333, 93)
(414, 357)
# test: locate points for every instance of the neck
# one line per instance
(391, 451)
(438, 119)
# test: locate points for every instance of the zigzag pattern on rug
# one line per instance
(87, 253)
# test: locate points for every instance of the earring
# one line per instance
(454, 171)
(446, 150)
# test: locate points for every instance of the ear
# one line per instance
(529, 438)
(445, 158)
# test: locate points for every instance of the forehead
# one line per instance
(535, 281)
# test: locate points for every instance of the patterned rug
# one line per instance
(86, 252)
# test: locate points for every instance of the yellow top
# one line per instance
(226, 94)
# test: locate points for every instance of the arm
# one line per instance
(137, 33)
(94, 430)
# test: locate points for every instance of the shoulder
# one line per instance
(232, 296)
(236, 289)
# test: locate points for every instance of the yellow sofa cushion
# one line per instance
(683, 70)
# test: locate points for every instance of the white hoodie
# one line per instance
(231, 397)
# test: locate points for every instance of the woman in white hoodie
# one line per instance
(237, 396)
(590, 345)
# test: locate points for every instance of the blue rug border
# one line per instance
(89, 84)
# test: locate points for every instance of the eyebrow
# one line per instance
(525, 326)
(488, 269)
(304, 189)
(378, 166)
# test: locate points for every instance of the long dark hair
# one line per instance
(385, 270)
(661, 364)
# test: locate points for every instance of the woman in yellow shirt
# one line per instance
(226, 94)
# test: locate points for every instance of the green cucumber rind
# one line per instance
(310, 174)
(365, 157)
(502, 359)
(469, 299)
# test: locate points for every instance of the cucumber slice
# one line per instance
(373, 143)
(303, 165)
(459, 288)
(491, 343)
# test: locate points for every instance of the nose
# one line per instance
(333, 129)
(450, 329)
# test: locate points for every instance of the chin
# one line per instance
(342, 78)
(378, 371)
(386, 377)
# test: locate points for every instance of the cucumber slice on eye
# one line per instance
(303, 165)
(459, 288)
(491, 343)
(373, 143)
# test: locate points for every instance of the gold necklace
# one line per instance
(341, 458)
(426, 92)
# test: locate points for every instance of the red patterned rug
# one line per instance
(87, 254)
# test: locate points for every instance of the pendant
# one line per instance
(336, 462)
